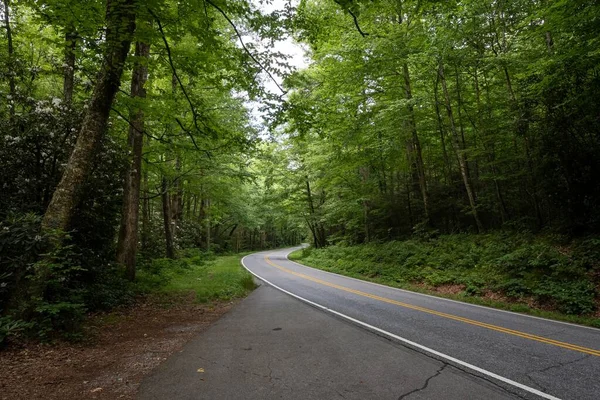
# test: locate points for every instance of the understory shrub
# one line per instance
(517, 265)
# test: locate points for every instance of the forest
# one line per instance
(440, 142)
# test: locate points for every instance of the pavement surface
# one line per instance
(334, 337)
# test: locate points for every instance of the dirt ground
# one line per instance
(124, 347)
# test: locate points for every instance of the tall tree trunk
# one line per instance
(170, 250)
(412, 125)
(188, 206)
(416, 143)
(459, 106)
(442, 132)
(177, 195)
(522, 128)
(69, 64)
(409, 205)
(145, 212)
(128, 233)
(315, 226)
(120, 20)
(491, 156)
(364, 175)
(10, 62)
(207, 224)
(459, 150)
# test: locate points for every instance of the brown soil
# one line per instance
(126, 346)
(450, 288)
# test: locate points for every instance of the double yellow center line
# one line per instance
(497, 328)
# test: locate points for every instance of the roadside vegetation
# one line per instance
(195, 277)
(547, 276)
(208, 278)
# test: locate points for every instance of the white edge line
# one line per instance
(409, 342)
(444, 298)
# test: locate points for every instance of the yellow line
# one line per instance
(513, 332)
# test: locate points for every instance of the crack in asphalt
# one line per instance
(429, 355)
(437, 373)
(270, 372)
(553, 366)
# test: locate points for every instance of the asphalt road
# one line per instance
(272, 346)
(526, 356)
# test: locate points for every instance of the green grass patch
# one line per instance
(209, 278)
(517, 272)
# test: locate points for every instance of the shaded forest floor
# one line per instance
(120, 350)
(542, 275)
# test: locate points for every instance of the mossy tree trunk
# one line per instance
(120, 25)
(128, 232)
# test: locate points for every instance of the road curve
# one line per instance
(531, 357)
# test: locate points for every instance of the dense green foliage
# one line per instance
(201, 186)
(447, 116)
(521, 268)
(210, 278)
(128, 139)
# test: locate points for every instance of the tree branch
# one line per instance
(363, 34)
(244, 45)
(187, 97)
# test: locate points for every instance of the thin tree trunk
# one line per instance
(522, 129)
(145, 213)
(490, 153)
(128, 233)
(69, 65)
(170, 250)
(442, 133)
(119, 33)
(364, 175)
(188, 206)
(195, 207)
(315, 226)
(177, 195)
(11, 72)
(207, 225)
(460, 123)
(459, 150)
(416, 143)
(409, 205)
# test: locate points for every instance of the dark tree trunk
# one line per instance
(522, 129)
(416, 143)
(11, 65)
(145, 214)
(177, 195)
(120, 27)
(458, 148)
(170, 250)
(447, 169)
(314, 224)
(128, 233)
(491, 156)
(207, 221)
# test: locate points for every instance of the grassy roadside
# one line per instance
(208, 279)
(482, 284)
